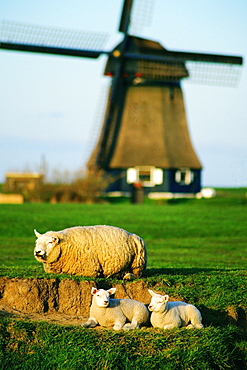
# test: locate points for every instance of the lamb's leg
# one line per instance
(119, 324)
(199, 326)
(133, 325)
(90, 323)
(195, 325)
(170, 326)
(174, 324)
(117, 327)
(190, 326)
(196, 320)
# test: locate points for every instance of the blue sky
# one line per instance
(50, 106)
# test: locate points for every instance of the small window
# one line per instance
(184, 176)
(148, 176)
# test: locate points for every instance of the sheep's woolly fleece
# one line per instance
(95, 251)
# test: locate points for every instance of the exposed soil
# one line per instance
(67, 302)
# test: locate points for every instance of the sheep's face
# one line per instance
(102, 297)
(47, 248)
(158, 302)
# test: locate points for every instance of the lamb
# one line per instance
(110, 312)
(94, 251)
(168, 315)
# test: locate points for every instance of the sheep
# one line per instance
(110, 312)
(94, 251)
(168, 315)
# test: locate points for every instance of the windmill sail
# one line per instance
(39, 39)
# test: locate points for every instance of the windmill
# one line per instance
(144, 136)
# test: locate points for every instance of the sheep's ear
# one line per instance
(165, 298)
(94, 290)
(36, 233)
(55, 239)
(111, 291)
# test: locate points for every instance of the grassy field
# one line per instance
(197, 253)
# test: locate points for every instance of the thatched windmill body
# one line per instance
(144, 137)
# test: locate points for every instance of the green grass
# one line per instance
(197, 253)
(43, 346)
(191, 233)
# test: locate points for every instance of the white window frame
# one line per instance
(156, 175)
(184, 176)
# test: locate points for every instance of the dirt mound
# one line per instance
(63, 301)
(68, 301)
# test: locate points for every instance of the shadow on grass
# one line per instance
(220, 318)
(6, 314)
(152, 272)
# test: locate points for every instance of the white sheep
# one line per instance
(110, 312)
(168, 315)
(95, 251)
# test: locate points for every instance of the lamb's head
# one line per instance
(101, 297)
(47, 248)
(158, 302)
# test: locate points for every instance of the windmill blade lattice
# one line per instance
(141, 15)
(227, 75)
(13, 34)
(224, 74)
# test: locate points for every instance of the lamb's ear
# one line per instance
(36, 233)
(94, 291)
(166, 297)
(151, 292)
(111, 291)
